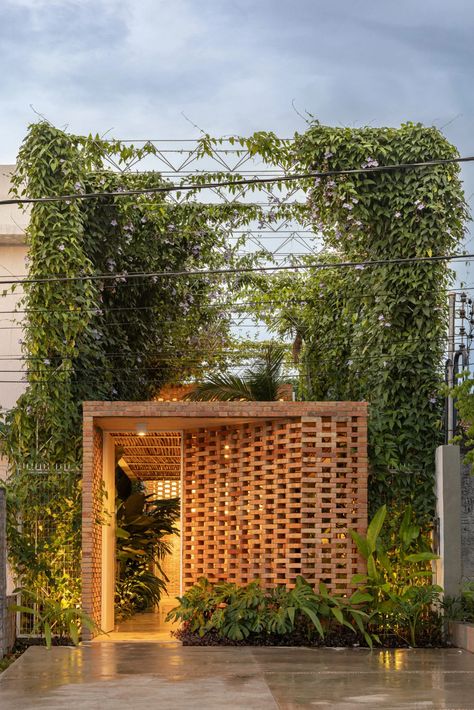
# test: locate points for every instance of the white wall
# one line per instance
(12, 263)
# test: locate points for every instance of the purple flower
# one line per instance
(348, 206)
(381, 317)
(370, 163)
(432, 400)
(420, 206)
(113, 223)
(143, 220)
(397, 215)
(354, 200)
(47, 361)
(360, 267)
(328, 155)
(349, 363)
(61, 247)
(78, 187)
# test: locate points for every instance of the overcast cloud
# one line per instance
(234, 66)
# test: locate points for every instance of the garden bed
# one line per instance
(336, 638)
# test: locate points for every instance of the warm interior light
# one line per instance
(141, 428)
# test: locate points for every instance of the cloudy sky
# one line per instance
(132, 67)
(234, 66)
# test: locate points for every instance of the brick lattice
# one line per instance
(274, 500)
(269, 492)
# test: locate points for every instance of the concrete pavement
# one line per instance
(108, 675)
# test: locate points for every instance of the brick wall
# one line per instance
(91, 527)
(274, 500)
(272, 497)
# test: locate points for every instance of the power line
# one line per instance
(231, 306)
(57, 359)
(237, 183)
(239, 270)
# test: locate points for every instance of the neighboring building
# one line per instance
(13, 222)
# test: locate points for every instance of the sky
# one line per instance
(133, 67)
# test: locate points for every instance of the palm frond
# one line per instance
(224, 388)
(260, 383)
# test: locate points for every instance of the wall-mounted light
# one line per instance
(141, 428)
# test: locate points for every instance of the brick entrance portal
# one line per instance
(269, 491)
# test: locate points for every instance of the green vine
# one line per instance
(378, 333)
(374, 333)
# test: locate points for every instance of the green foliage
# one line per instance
(397, 583)
(136, 590)
(460, 608)
(261, 382)
(237, 612)
(143, 522)
(376, 333)
(54, 619)
(120, 338)
(44, 531)
(463, 393)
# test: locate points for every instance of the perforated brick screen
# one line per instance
(270, 490)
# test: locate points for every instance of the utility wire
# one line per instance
(56, 359)
(230, 306)
(240, 270)
(237, 183)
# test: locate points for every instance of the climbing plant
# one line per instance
(363, 332)
(117, 338)
(378, 332)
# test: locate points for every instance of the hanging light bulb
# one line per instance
(141, 428)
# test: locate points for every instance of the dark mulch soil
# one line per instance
(339, 637)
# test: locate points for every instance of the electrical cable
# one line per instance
(241, 270)
(237, 183)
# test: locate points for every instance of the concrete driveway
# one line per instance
(106, 676)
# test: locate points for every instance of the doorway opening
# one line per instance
(148, 473)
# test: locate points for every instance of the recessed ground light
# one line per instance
(141, 428)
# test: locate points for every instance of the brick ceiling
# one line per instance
(155, 456)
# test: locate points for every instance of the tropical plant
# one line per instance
(237, 612)
(397, 583)
(44, 531)
(260, 382)
(143, 524)
(461, 607)
(54, 619)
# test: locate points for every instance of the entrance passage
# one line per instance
(152, 462)
(269, 490)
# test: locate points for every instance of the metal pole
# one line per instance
(450, 366)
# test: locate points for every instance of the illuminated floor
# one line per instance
(149, 626)
(112, 676)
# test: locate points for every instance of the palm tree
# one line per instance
(259, 383)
